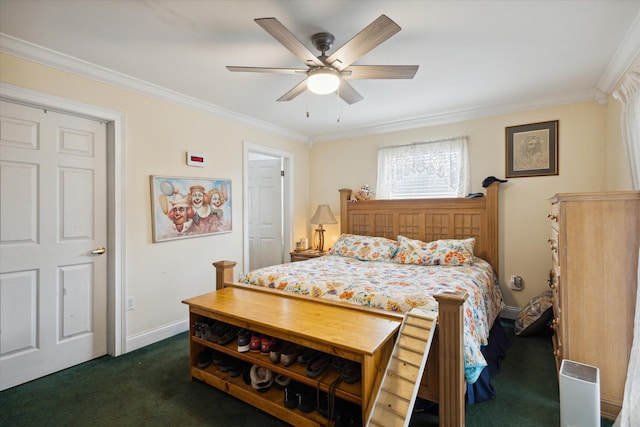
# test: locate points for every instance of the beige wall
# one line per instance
(157, 135)
(524, 227)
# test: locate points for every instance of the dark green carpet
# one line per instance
(151, 386)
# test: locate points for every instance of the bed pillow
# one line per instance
(535, 316)
(439, 252)
(365, 248)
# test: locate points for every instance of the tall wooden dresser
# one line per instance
(594, 243)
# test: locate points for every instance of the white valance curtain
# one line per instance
(424, 169)
(629, 95)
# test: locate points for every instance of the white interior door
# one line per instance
(265, 212)
(53, 277)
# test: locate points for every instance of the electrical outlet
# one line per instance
(516, 283)
(131, 303)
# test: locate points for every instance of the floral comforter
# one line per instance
(396, 287)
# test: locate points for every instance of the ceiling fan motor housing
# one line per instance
(323, 41)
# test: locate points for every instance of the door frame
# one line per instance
(116, 286)
(287, 186)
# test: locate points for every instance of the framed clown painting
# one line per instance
(189, 207)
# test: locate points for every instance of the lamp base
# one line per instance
(318, 239)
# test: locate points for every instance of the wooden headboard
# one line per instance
(427, 219)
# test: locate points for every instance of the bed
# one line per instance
(464, 290)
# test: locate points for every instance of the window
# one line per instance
(424, 169)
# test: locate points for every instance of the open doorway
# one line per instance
(267, 206)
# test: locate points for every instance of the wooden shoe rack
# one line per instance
(363, 336)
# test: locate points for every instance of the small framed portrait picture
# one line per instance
(532, 150)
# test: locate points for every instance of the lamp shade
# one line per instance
(322, 81)
(323, 215)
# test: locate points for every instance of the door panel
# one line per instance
(53, 290)
(265, 213)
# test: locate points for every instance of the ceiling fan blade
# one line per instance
(348, 93)
(297, 90)
(380, 72)
(267, 70)
(288, 40)
(374, 34)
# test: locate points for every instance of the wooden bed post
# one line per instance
(452, 385)
(224, 273)
(345, 195)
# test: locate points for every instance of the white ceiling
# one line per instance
(476, 58)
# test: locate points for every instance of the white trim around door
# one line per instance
(287, 186)
(116, 319)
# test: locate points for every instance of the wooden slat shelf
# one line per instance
(355, 335)
(297, 372)
(271, 401)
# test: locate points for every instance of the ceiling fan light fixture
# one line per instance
(322, 81)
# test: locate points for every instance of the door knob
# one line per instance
(99, 250)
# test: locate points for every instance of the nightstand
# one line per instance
(305, 255)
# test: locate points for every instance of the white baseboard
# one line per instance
(510, 312)
(146, 338)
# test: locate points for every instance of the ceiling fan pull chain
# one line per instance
(307, 103)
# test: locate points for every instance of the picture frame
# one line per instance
(184, 207)
(532, 149)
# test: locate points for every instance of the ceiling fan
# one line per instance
(336, 68)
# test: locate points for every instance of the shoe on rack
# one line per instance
(235, 367)
(256, 342)
(225, 365)
(204, 359)
(266, 343)
(246, 375)
(198, 329)
(217, 357)
(323, 405)
(205, 331)
(306, 399)
(217, 330)
(244, 340)
(347, 415)
(290, 352)
(351, 372)
(291, 395)
(282, 381)
(229, 334)
(276, 351)
(306, 355)
(261, 378)
(337, 363)
(318, 365)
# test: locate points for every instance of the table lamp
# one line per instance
(323, 215)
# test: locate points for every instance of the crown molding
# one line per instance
(23, 49)
(626, 54)
(628, 51)
(469, 114)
